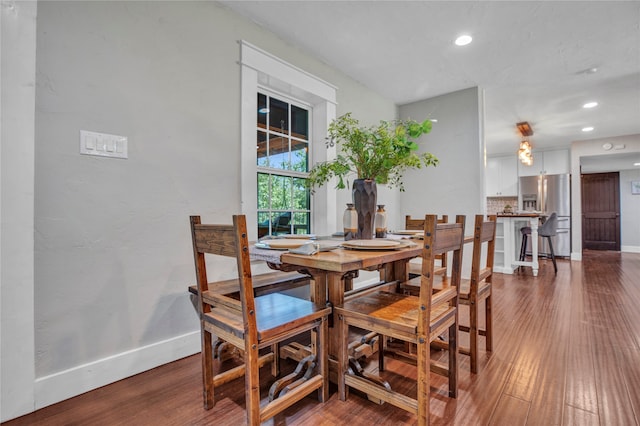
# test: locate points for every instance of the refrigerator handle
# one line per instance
(544, 195)
(539, 198)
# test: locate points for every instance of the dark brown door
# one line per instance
(601, 211)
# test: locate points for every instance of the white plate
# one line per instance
(372, 244)
(283, 244)
(406, 232)
(297, 236)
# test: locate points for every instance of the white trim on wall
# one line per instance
(259, 68)
(83, 378)
(630, 249)
(17, 183)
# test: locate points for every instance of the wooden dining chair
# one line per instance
(254, 324)
(418, 225)
(478, 288)
(473, 290)
(414, 319)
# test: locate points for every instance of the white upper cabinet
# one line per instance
(547, 163)
(502, 176)
(557, 162)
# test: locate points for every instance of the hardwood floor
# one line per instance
(566, 352)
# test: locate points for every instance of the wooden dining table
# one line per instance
(332, 273)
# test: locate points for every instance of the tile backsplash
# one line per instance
(496, 204)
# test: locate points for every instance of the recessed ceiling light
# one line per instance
(590, 105)
(587, 129)
(463, 40)
(636, 164)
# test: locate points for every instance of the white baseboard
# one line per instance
(503, 270)
(78, 380)
(630, 249)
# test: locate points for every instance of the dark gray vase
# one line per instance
(365, 194)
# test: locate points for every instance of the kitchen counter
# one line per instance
(509, 238)
(518, 215)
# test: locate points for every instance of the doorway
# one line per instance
(601, 211)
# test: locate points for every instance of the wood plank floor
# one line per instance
(566, 352)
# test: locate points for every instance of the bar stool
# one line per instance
(547, 230)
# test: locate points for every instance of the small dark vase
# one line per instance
(365, 194)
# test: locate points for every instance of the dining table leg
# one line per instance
(318, 287)
(335, 287)
(400, 271)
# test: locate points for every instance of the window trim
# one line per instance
(260, 69)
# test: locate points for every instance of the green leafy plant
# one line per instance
(381, 153)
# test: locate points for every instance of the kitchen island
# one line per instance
(509, 238)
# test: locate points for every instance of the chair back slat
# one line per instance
(413, 224)
(418, 225)
(449, 236)
(215, 239)
(488, 230)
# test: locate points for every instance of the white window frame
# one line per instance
(260, 69)
(288, 172)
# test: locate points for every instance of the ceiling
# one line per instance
(535, 60)
(609, 163)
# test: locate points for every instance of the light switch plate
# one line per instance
(103, 144)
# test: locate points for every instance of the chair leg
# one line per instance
(553, 256)
(382, 343)
(252, 384)
(453, 360)
(343, 358)
(473, 334)
(489, 324)
(424, 381)
(523, 247)
(322, 358)
(207, 369)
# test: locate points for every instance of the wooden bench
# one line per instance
(267, 283)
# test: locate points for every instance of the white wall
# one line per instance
(112, 248)
(628, 211)
(456, 185)
(17, 90)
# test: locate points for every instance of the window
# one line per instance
(310, 105)
(284, 202)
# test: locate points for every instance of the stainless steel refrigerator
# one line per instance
(546, 194)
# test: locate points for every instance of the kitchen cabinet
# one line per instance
(547, 163)
(502, 176)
